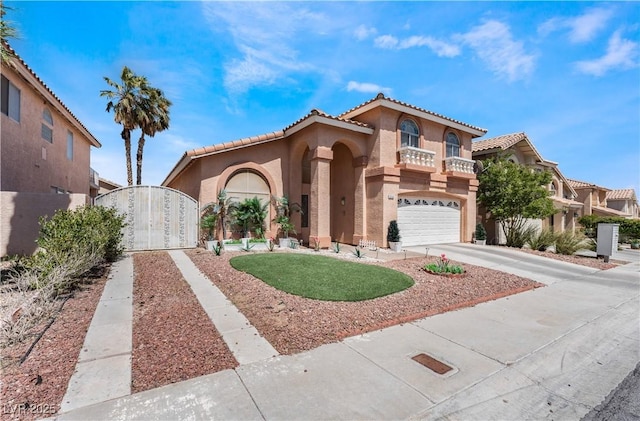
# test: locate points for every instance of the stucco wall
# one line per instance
(29, 162)
(20, 213)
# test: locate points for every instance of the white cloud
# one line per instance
(386, 41)
(493, 43)
(368, 88)
(581, 28)
(363, 32)
(621, 54)
(441, 48)
(264, 34)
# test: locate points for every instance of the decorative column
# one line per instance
(360, 209)
(320, 198)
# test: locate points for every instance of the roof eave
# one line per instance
(383, 102)
(329, 122)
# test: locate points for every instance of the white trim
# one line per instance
(412, 111)
(329, 122)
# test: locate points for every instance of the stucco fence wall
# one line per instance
(19, 215)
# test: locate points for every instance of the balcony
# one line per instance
(410, 156)
(456, 164)
(94, 178)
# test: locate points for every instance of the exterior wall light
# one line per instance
(342, 200)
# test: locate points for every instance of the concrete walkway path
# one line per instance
(553, 353)
(241, 337)
(103, 371)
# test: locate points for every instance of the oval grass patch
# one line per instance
(321, 277)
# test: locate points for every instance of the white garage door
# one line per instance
(428, 221)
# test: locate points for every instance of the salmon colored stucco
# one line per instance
(350, 169)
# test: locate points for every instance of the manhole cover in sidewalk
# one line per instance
(432, 364)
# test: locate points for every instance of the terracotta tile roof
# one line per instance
(621, 194)
(44, 85)
(382, 96)
(235, 144)
(577, 184)
(503, 142)
(317, 112)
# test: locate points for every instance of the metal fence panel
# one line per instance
(157, 218)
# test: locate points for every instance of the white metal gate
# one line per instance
(157, 218)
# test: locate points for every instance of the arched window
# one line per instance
(453, 145)
(247, 184)
(409, 134)
(47, 125)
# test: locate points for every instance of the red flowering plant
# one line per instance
(443, 265)
(316, 243)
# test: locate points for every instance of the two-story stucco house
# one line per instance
(44, 156)
(601, 201)
(518, 148)
(352, 173)
(625, 201)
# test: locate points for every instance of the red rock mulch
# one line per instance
(173, 338)
(293, 324)
(35, 388)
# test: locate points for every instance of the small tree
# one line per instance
(393, 232)
(209, 223)
(250, 214)
(514, 193)
(283, 214)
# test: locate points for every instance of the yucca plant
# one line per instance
(569, 242)
(541, 240)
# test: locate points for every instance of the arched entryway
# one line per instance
(342, 194)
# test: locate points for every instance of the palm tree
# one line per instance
(7, 30)
(126, 108)
(223, 208)
(249, 214)
(154, 117)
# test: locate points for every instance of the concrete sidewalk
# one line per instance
(554, 352)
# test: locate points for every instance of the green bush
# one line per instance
(481, 233)
(88, 228)
(568, 242)
(629, 228)
(519, 236)
(541, 240)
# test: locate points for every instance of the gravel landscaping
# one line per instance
(174, 339)
(294, 324)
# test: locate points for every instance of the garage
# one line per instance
(424, 220)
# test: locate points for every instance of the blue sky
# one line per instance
(566, 73)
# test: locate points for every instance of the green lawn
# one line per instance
(321, 277)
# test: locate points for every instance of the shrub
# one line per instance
(93, 228)
(519, 236)
(481, 233)
(629, 228)
(358, 253)
(541, 240)
(393, 232)
(569, 242)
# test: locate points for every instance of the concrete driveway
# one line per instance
(551, 353)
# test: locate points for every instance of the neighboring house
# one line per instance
(624, 200)
(518, 148)
(44, 165)
(602, 201)
(106, 186)
(352, 173)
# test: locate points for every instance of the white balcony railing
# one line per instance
(458, 164)
(416, 156)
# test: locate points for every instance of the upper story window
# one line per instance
(409, 134)
(70, 146)
(553, 189)
(452, 145)
(10, 99)
(47, 125)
